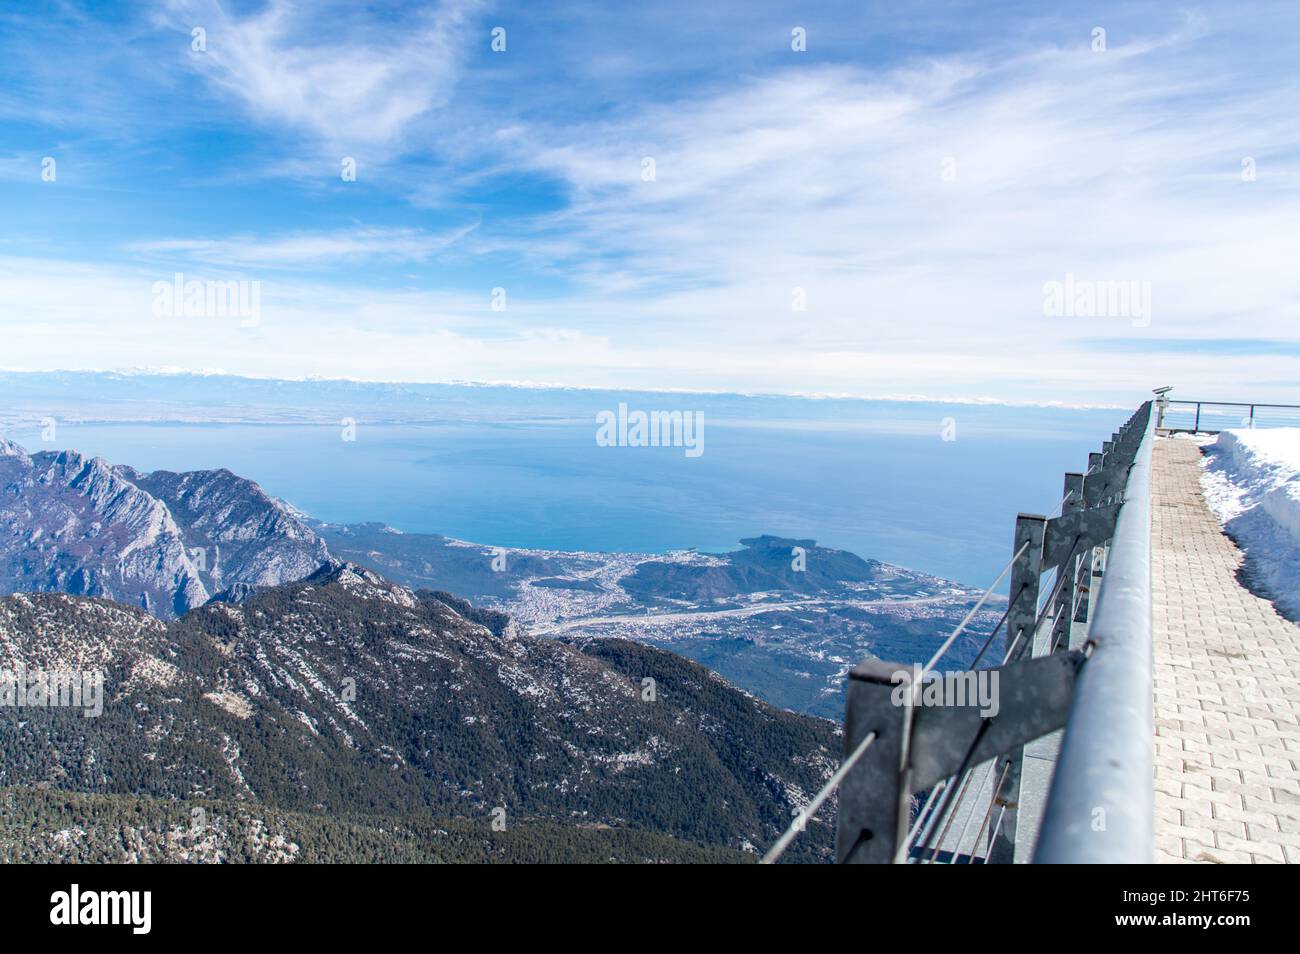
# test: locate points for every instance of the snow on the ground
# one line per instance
(1252, 483)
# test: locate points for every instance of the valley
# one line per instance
(787, 635)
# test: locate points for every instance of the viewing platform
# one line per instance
(1226, 686)
(1147, 697)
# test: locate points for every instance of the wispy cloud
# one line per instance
(1116, 165)
(305, 249)
(329, 69)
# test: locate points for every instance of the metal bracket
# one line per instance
(1077, 530)
(1033, 699)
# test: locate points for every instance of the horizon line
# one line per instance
(978, 400)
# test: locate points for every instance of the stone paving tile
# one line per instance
(1227, 687)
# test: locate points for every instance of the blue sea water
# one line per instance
(516, 468)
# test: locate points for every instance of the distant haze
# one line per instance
(512, 467)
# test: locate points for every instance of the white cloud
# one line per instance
(75, 316)
(305, 249)
(1116, 166)
(327, 69)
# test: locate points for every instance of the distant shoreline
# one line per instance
(129, 374)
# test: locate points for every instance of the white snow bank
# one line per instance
(1252, 483)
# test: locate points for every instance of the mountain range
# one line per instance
(780, 617)
(352, 692)
(164, 542)
(347, 697)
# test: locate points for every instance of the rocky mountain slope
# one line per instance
(164, 542)
(345, 696)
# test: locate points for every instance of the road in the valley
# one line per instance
(664, 619)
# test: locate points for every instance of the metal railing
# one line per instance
(1211, 417)
(918, 778)
(1101, 804)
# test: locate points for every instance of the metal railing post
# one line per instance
(1022, 618)
(1089, 578)
(869, 829)
(1063, 607)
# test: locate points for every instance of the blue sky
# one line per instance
(914, 176)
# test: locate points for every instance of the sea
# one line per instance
(930, 485)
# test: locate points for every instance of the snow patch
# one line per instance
(1252, 483)
(232, 702)
(154, 672)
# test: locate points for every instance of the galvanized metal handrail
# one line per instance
(1078, 660)
(1293, 407)
(1248, 421)
(1100, 808)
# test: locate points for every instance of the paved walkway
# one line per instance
(1227, 688)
